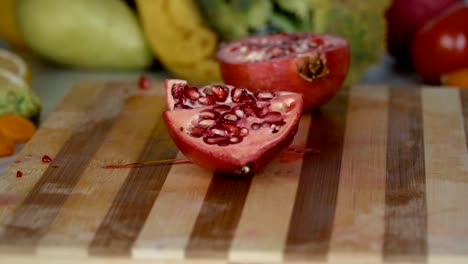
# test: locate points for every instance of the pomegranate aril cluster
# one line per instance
(225, 125)
(185, 95)
(259, 49)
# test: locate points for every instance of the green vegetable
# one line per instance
(84, 33)
(21, 101)
(237, 18)
(361, 22)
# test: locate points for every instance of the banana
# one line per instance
(180, 39)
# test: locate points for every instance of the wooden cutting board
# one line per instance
(378, 174)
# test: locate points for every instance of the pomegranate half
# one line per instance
(235, 131)
(315, 65)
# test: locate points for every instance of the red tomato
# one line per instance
(441, 46)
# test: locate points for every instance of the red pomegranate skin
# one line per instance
(282, 74)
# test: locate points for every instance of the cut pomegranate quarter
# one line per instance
(315, 65)
(236, 131)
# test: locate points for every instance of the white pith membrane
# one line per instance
(223, 129)
(277, 46)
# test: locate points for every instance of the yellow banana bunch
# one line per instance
(179, 38)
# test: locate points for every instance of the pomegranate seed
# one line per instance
(208, 114)
(191, 93)
(264, 96)
(144, 82)
(207, 90)
(221, 108)
(206, 122)
(231, 129)
(248, 110)
(177, 90)
(239, 113)
(220, 93)
(197, 131)
(214, 140)
(243, 132)
(235, 140)
(19, 174)
(219, 132)
(230, 117)
(249, 98)
(46, 159)
(207, 100)
(262, 104)
(238, 94)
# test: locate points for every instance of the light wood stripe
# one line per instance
(405, 194)
(38, 210)
(314, 209)
(447, 174)
(132, 204)
(359, 220)
(74, 228)
(263, 227)
(169, 225)
(218, 218)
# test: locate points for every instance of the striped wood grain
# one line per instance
(33, 217)
(168, 227)
(263, 227)
(385, 180)
(359, 220)
(314, 207)
(123, 145)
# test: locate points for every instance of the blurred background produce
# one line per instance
(61, 42)
(182, 35)
(430, 37)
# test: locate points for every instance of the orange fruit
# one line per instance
(7, 146)
(16, 128)
(457, 78)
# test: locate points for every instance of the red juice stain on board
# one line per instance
(24, 159)
(151, 163)
(19, 174)
(296, 153)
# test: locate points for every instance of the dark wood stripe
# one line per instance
(405, 235)
(130, 208)
(314, 209)
(218, 218)
(464, 103)
(34, 216)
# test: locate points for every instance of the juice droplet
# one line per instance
(46, 159)
(19, 174)
(144, 82)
